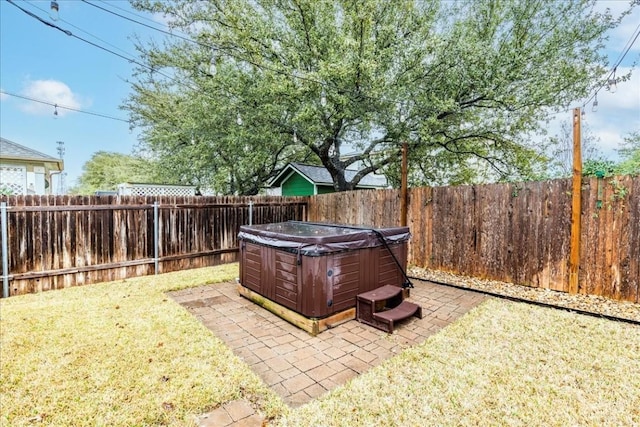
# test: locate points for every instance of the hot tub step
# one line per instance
(403, 311)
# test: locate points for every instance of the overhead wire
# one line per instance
(78, 28)
(129, 59)
(115, 6)
(64, 107)
(628, 46)
(212, 47)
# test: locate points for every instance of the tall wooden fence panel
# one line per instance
(377, 208)
(61, 241)
(610, 241)
(518, 233)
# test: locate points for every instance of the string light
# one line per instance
(295, 137)
(239, 119)
(323, 98)
(56, 106)
(594, 107)
(55, 8)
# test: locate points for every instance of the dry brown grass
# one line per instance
(501, 364)
(118, 354)
(124, 354)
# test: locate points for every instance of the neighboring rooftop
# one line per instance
(320, 175)
(13, 150)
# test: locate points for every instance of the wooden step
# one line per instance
(403, 311)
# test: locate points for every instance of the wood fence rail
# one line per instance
(61, 241)
(518, 232)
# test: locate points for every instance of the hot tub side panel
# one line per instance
(388, 272)
(287, 279)
(354, 272)
(251, 266)
(314, 295)
(347, 274)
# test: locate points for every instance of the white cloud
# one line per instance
(51, 91)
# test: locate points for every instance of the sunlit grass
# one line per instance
(119, 353)
(125, 354)
(502, 364)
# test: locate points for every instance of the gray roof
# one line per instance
(13, 150)
(321, 176)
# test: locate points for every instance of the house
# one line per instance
(26, 171)
(297, 179)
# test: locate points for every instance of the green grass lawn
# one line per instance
(124, 354)
(503, 363)
(118, 354)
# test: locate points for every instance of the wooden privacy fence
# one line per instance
(517, 233)
(60, 241)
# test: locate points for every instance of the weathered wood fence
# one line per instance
(61, 241)
(517, 233)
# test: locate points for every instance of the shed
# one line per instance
(24, 170)
(298, 179)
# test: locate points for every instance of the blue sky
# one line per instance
(42, 63)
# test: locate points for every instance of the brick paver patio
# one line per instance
(300, 367)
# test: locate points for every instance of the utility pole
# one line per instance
(61, 151)
(576, 205)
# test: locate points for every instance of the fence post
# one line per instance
(250, 212)
(5, 250)
(156, 227)
(576, 206)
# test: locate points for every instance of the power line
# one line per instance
(69, 33)
(113, 5)
(64, 107)
(208, 46)
(80, 29)
(612, 73)
(145, 25)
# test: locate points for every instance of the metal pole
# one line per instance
(403, 186)
(155, 236)
(5, 250)
(250, 212)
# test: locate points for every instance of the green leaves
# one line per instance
(105, 170)
(472, 80)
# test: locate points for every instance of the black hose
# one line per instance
(532, 302)
(407, 283)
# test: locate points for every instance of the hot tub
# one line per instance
(317, 269)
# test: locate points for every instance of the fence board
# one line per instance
(62, 241)
(513, 232)
(517, 233)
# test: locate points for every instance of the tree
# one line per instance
(561, 146)
(460, 82)
(630, 154)
(105, 170)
